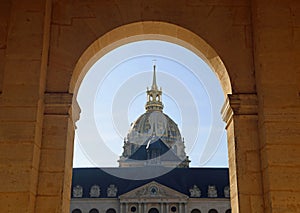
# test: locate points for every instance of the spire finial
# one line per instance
(154, 85)
(154, 94)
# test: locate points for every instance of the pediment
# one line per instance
(153, 190)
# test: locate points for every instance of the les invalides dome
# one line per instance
(154, 138)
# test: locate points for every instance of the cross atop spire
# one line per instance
(154, 94)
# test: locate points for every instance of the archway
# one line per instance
(185, 39)
(177, 35)
(153, 210)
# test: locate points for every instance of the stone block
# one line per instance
(284, 115)
(34, 5)
(285, 133)
(56, 68)
(295, 11)
(196, 3)
(2, 63)
(281, 155)
(284, 201)
(17, 202)
(18, 180)
(241, 16)
(52, 160)
(244, 203)
(18, 113)
(19, 155)
(246, 135)
(281, 178)
(283, 95)
(256, 204)
(272, 69)
(4, 19)
(276, 39)
(25, 47)
(20, 94)
(48, 204)
(253, 161)
(26, 22)
(296, 41)
(17, 131)
(55, 132)
(22, 71)
(50, 183)
(274, 15)
(249, 183)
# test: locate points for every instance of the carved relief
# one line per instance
(141, 192)
(151, 191)
(95, 191)
(77, 191)
(195, 191)
(212, 191)
(227, 191)
(112, 190)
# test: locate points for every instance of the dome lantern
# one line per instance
(154, 102)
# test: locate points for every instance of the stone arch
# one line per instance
(149, 30)
(153, 210)
(244, 104)
(76, 211)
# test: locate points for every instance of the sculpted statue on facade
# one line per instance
(212, 191)
(77, 191)
(227, 192)
(112, 191)
(95, 191)
(195, 191)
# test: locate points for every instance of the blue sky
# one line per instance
(113, 95)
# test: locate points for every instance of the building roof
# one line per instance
(179, 179)
(165, 152)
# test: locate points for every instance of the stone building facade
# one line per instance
(179, 191)
(251, 45)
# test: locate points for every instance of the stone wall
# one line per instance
(42, 41)
(276, 31)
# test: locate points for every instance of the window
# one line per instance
(111, 211)
(153, 210)
(173, 209)
(93, 211)
(195, 211)
(153, 190)
(212, 211)
(133, 209)
(76, 211)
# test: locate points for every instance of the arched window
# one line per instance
(212, 211)
(133, 209)
(153, 210)
(173, 209)
(228, 211)
(94, 211)
(76, 211)
(195, 211)
(111, 211)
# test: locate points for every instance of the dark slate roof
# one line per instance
(142, 152)
(179, 179)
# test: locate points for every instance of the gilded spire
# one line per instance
(154, 85)
(154, 95)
